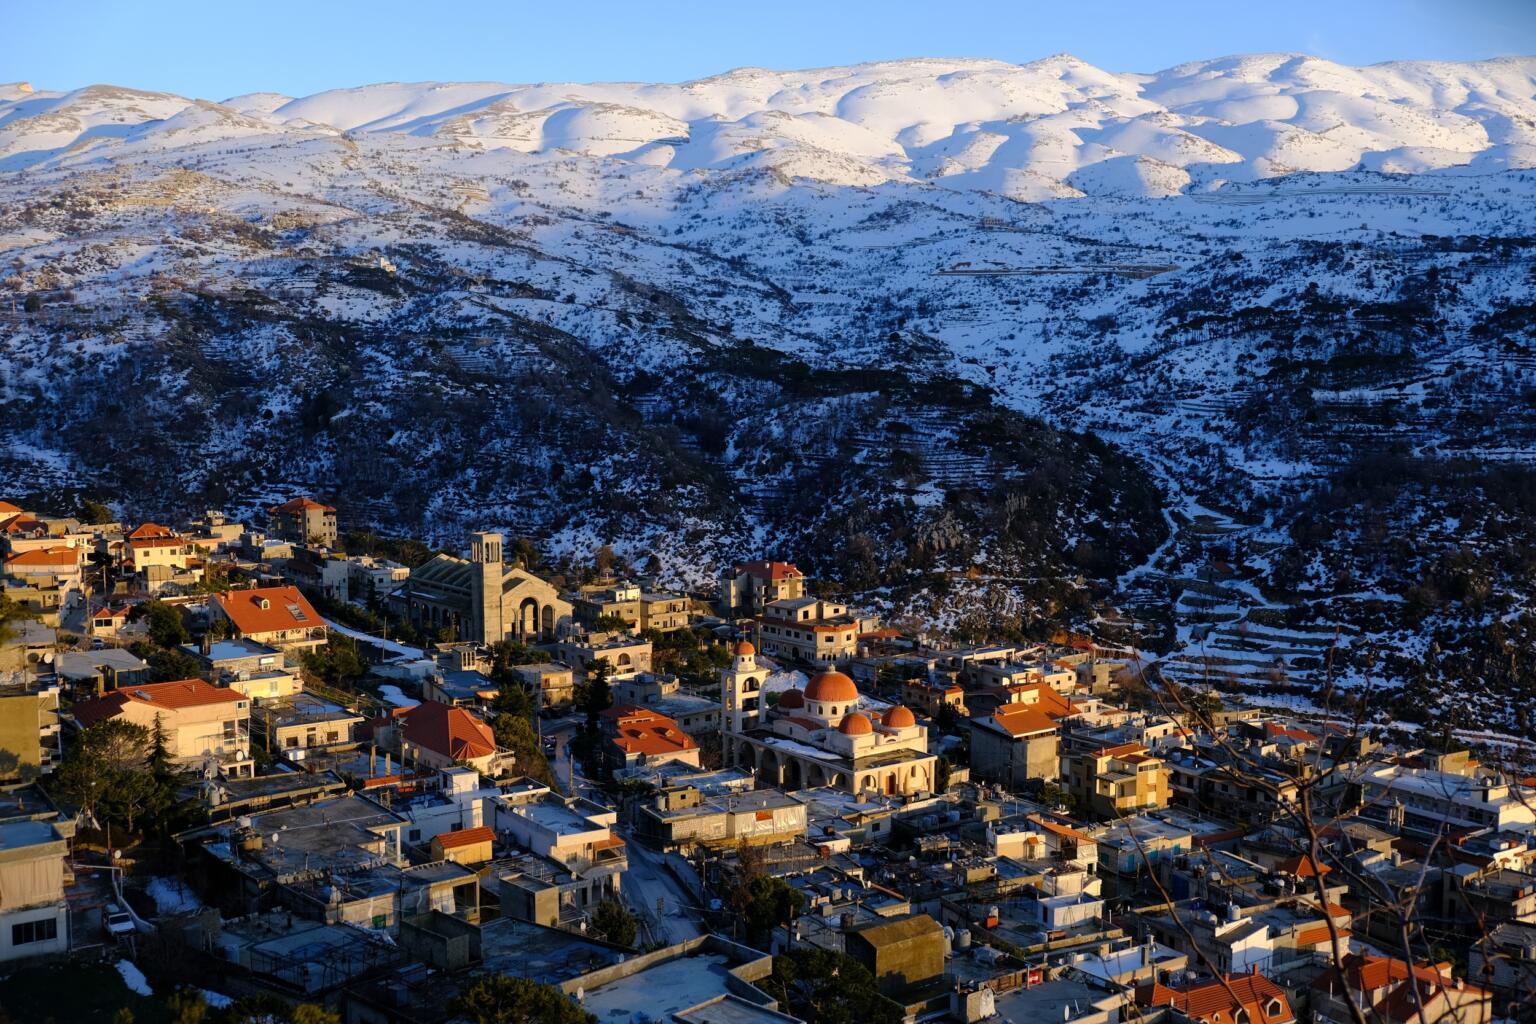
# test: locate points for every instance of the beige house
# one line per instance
(43, 579)
(625, 653)
(554, 683)
(639, 736)
(161, 555)
(435, 735)
(197, 718)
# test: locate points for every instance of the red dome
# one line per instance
(832, 685)
(744, 649)
(900, 717)
(856, 724)
(792, 699)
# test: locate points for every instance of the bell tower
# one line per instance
(741, 687)
(486, 571)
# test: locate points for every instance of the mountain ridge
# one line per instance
(1058, 366)
(1024, 130)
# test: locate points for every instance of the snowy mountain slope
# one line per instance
(812, 314)
(967, 124)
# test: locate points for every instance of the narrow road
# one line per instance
(647, 881)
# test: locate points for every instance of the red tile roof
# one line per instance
(285, 608)
(1302, 867)
(766, 570)
(55, 556)
(172, 696)
(639, 730)
(1383, 981)
(466, 837)
(151, 531)
(452, 732)
(22, 524)
(1212, 1001)
(303, 504)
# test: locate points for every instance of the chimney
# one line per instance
(373, 760)
(386, 762)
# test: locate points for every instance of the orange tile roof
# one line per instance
(22, 524)
(150, 531)
(766, 570)
(642, 731)
(1383, 982)
(1313, 934)
(45, 556)
(1023, 719)
(302, 504)
(1302, 867)
(172, 696)
(1061, 830)
(7, 509)
(1212, 1000)
(466, 837)
(452, 732)
(244, 609)
(1122, 750)
(120, 612)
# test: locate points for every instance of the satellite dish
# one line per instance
(47, 657)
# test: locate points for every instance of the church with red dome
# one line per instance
(826, 734)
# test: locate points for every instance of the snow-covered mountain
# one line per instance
(1053, 128)
(1247, 343)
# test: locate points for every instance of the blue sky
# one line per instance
(219, 48)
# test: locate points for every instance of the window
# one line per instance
(229, 730)
(28, 932)
(291, 742)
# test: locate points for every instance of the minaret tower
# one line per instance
(485, 586)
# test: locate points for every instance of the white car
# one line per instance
(117, 920)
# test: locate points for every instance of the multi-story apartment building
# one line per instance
(303, 521)
(811, 630)
(1019, 741)
(1111, 782)
(1455, 795)
(749, 587)
(29, 727)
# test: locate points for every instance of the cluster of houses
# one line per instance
(1012, 832)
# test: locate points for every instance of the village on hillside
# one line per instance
(282, 764)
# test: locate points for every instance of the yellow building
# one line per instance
(1115, 781)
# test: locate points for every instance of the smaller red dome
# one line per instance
(744, 649)
(792, 699)
(900, 717)
(856, 724)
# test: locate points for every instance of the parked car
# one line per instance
(117, 920)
